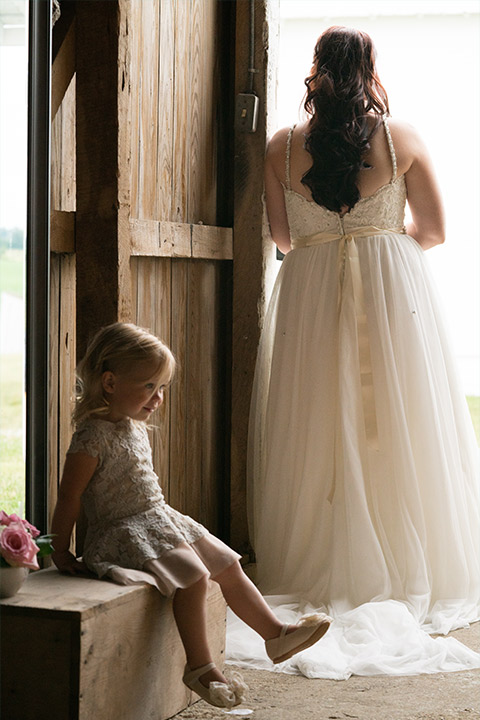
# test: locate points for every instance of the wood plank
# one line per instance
(174, 239)
(253, 256)
(152, 311)
(206, 211)
(103, 254)
(212, 243)
(66, 360)
(165, 111)
(160, 238)
(62, 231)
(202, 388)
(161, 326)
(63, 153)
(68, 169)
(182, 114)
(178, 413)
(145, 306)
(63, 69)
(56, 162)
(134, 272)
(135, 104)
(148, 126)
(54, 384)
(198, 78)
(167, 239)
(195, 392)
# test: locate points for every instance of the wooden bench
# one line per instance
(86, 649)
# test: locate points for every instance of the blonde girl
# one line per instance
(133, 535)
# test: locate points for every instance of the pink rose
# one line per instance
(31, 529)
(17, 546)
(13, 518)
(8, 519)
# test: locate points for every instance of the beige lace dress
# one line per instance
(131, 529)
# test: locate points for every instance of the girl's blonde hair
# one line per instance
(116, 348)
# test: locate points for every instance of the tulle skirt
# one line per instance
(363, 477)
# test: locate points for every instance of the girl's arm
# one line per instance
(424, 199)
(274, 193)
(77, 473)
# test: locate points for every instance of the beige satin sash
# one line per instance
(348, 253)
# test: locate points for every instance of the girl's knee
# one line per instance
(232, 571)
(200, 586)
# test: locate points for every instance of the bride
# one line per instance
(364, 495)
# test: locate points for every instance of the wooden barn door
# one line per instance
(149, 183)
(181, 257)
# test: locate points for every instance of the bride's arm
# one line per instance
(423, 195)
(274, 194)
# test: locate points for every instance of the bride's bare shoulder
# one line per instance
(404, 135)
(407, 142)
(278, 142)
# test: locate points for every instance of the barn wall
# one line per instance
(135, 203)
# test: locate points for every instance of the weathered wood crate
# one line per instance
(85, 649)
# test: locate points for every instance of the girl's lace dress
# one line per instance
(130, 525)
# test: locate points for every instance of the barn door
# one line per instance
(180, 255)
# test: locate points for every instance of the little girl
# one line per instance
(133, 535)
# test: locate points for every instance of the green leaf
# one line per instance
(44, 543)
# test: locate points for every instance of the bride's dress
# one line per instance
(364, 493)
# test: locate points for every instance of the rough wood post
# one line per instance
(253, 257)
(103, 285)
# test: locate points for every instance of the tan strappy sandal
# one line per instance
(219, 694)
(309, 630)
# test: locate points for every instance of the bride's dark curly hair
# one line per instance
(342, 88)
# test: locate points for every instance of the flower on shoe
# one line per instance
(21, 543)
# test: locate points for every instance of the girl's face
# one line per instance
(134, 394)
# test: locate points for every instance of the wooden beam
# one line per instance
(63, 68)
(160, 238)
(103, 253)
(253, 257)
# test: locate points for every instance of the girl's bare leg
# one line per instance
(247, 602)
(190, 612)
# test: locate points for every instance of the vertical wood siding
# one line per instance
(180, 301)
(62, 265)
(165, 144)
(173, 81)
(62, 364)
(63, 190)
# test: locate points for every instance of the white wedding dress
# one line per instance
(364, 490)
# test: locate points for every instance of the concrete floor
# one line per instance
(445, 696)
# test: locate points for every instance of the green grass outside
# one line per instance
(12, 468)
(12, 272)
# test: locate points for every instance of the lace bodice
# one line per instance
(384, 209)
(129, 521)
(124, 482)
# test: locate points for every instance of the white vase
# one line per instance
(11, 580)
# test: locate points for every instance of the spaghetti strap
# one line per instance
(391, 148)
(287, 158)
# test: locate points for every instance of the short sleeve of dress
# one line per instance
(86, 440)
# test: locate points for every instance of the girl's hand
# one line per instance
(68, 563)
(77, 472)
